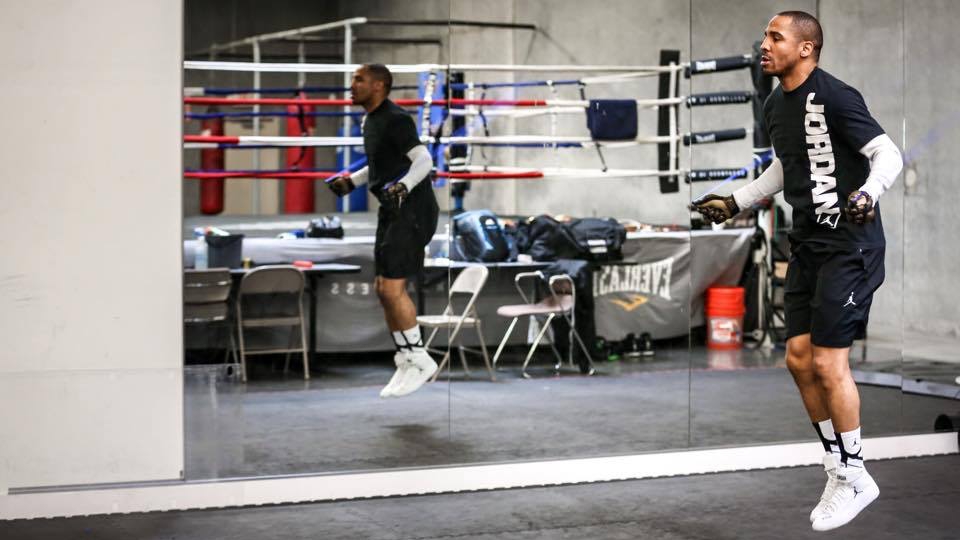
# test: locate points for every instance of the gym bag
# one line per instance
(596, 239)
(478, 237)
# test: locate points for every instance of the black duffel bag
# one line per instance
(596, 239)
(589, 239)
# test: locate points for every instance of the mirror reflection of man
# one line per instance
(833, 163)
(397, 171)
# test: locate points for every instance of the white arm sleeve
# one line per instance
(768, 183)
(360, 177)
(420, 165)
(885, 164)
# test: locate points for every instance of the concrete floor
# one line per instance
(919, 499)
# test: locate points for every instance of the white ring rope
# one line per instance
(250, 140)
(546, 140)
(567, 172)
(279, 67)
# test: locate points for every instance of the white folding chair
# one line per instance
(279, 288)
(470, 282)
(206, 295)
(560, 301)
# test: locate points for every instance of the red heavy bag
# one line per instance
(211, 189)
(298, 192)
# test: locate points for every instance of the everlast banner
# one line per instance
(654, 290)
(650, 279)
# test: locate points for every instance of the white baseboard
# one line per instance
(191, 495)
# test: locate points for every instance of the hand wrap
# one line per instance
(716, 208)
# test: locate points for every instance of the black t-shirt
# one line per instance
(817, 131)
(388, 134)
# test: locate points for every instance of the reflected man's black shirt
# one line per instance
(388, 134)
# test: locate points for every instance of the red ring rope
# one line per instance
(252, 174)
(211, 139)
(326, 174)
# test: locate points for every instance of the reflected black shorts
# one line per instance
(829, 290)
(403, 232)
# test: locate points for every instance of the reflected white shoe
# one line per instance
(400, 359)
(420, 367)
(855, 490)
(830, 464)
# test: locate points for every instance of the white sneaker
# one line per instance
(420, 367)
(400, 359)
(853, 492)
(830, 467)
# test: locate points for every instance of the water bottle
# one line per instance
(200, 261)
(445, 245)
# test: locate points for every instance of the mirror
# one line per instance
(520, 94)
(930, 373)
(278, 422)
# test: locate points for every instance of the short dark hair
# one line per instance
(380, 73)
(808, 27)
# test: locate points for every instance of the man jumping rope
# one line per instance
(833, 163)
(397, 164)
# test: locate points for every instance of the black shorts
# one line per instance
(829, 291)
(403, 232)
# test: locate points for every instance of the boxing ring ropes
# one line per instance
(470, 107)
(347, 26)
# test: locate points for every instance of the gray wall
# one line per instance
(930, 255)
(90, 285)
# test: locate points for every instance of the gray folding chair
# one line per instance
(560, 301)
(469, 283)
(205, 301)
(272, 296)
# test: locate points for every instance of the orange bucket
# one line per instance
(724, 311)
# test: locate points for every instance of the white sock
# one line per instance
(411, 338)
(851, 447)
(398, 339)
(825, 430)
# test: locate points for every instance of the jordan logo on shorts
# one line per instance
(850, 301)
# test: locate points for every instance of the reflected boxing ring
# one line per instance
(464, 136)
